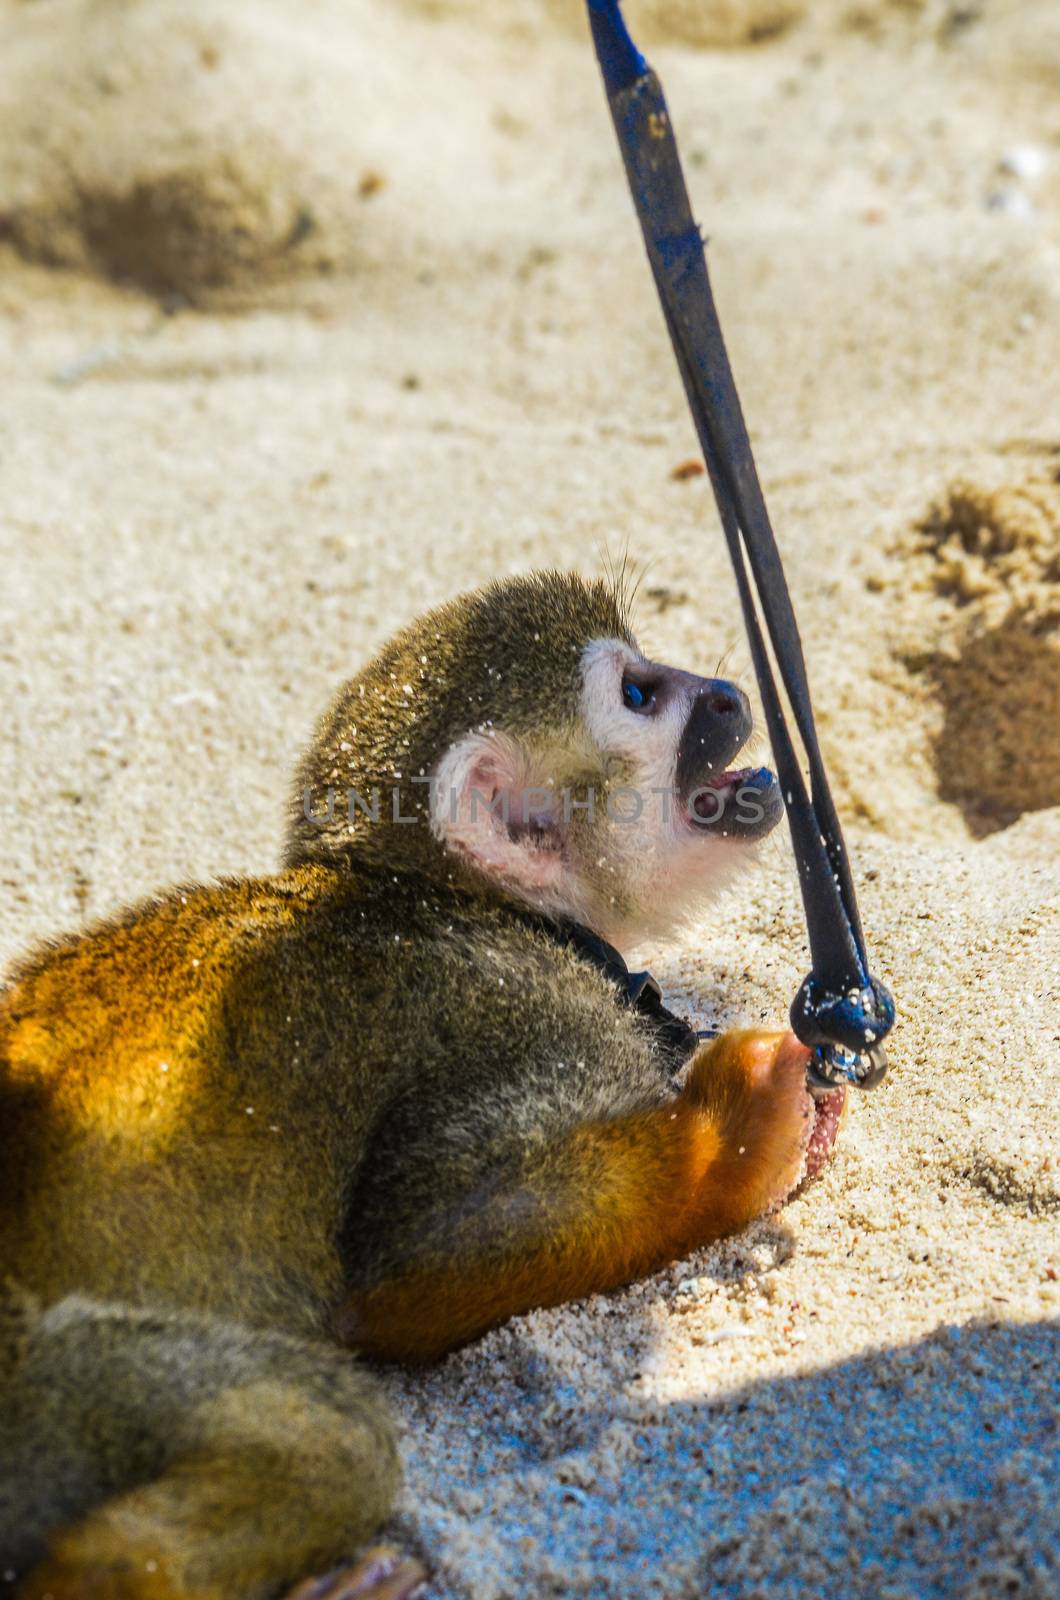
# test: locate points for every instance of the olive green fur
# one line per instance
(504, 657)
(223, 1108)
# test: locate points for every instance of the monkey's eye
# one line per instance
(638, 696)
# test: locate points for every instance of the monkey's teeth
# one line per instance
(730, 778)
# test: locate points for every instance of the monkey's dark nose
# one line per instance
(724, 699)
(718, 726)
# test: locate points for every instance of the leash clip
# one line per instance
(831, 1066)
(844, 1031)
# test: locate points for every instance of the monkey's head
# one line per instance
(516, 740)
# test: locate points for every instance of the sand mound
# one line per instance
(157, 165)
(189, 147)
(996, 546)
(990, 556)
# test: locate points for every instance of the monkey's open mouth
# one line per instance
(742, 803)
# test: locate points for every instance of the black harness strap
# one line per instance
(841, 1010)
(675, 1038)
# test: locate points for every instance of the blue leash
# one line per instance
(841, 1011)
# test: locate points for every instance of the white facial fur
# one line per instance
(667, 866)
(632, 872)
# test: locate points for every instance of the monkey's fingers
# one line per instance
(774, 1135)
(381, 1574)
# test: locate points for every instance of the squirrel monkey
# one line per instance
(381, 1101)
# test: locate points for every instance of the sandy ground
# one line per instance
(315, 312)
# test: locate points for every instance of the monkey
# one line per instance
(257, 1133)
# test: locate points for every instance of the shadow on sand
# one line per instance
(924, 1472)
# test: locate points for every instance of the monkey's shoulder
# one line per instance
(162, 939)
(149, 980)
(491, 995)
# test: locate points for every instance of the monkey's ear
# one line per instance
(491, 806)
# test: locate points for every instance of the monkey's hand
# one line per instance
(772, 1133)
(381, 1574)
(606, 1201)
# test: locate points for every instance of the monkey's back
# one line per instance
(216, 1100)
(166, 1129)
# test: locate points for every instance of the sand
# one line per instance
(315, 313)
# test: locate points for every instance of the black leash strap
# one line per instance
(841, 1010)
